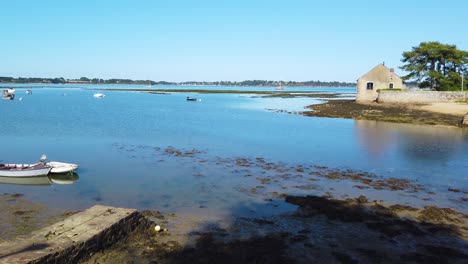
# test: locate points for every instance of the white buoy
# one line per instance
(157, 228)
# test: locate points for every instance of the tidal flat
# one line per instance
(320, 228)
(324, 223)
(381, 112)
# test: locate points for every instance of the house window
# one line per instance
(370, 86)
(390, 86)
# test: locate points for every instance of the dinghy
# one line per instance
(37, 169)
(24, 170)
(61, 167)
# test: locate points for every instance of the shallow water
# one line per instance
(121, 144)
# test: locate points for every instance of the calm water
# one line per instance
(119, 142)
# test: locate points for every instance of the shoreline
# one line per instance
(414, 114)
(351, 230)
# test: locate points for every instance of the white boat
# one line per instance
(280, 88)
(24, 170)
(99, 95)
(8, 94)
(61, 167)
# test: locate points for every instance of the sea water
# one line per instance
(123, 145)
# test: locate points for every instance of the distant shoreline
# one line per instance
(251, 83)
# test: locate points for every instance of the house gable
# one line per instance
(379, 77)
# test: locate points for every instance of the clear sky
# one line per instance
(182, 40)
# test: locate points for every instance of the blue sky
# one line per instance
(219, 40)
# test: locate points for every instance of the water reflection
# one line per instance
(415, 142)
(68, 178)
(41, 180)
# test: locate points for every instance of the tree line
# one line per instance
(150, 82)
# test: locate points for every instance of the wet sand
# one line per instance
(19, 216)
(321, 230)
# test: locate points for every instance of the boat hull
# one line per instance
(25, 171)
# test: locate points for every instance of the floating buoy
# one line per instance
(157, 228)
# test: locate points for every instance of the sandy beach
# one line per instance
(445, 108)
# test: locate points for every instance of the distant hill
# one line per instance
(150, 82)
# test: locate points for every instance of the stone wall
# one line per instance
(415, 97)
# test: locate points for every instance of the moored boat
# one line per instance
(99, 95)
(61, 167)
(8, 94)
(192, 99)
(24, 170)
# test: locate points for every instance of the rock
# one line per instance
(362, 199)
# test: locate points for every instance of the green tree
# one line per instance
(435, 65)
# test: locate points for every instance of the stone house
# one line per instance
(380, 77)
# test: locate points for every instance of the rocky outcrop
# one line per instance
(465, 121)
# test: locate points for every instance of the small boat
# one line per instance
(24, 170)
(99, 95)
(28, 91)
(280, 88)
(37, 169)
(8, 94)
(61, 167)
(192, 99)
